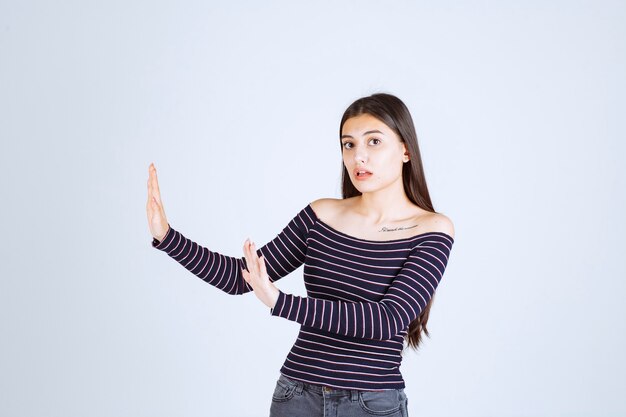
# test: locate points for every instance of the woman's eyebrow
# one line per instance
(366, 133)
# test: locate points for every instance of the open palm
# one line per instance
(157, 222)
(257, 276)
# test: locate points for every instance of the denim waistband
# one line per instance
(323, 389)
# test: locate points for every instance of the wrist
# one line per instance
(274, 294)
(160, 238)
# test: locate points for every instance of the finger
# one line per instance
(152, 182)
(157, 191)
(262, 265)
(153, 208)
(150, 185)
(246, 254)
(245, 247)
(253, 252)
(254, 258)
(260, 260)
(248, 277)
(152, 179)
(157, 204)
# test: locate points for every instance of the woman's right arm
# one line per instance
(285, 253)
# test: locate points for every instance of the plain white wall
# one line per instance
(519, 110)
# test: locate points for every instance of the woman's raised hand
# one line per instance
(156, 213)
(257, 277)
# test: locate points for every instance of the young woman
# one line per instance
(372, 261)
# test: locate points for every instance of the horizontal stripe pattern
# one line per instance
(283, 254)
(361, 295)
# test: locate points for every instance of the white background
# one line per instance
(519, 110)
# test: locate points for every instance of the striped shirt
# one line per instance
(361, 295)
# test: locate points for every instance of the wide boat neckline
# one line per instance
(375, 241)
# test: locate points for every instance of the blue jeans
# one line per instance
(293, 398)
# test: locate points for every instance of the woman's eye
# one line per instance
(345, 144)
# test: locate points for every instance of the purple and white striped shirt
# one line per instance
(361, 295)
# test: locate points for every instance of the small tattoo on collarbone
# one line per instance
(388, 229)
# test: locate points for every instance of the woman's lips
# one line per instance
(363, 176)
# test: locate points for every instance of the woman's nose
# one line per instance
(360, 156)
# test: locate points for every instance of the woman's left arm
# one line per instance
(405, 299)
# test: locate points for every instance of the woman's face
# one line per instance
(368, 144)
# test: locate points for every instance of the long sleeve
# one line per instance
(283, 254)
(408, 294)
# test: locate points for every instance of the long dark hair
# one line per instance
(393, 112)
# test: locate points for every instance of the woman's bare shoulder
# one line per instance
(438, 222)
(325, 207)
